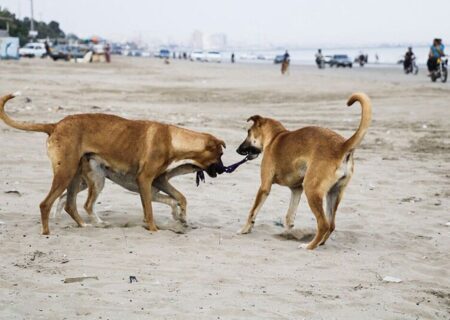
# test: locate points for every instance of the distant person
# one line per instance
(232, 57)
(362, 59)
(436, 51)
(107, 50)
(319, 59)
(48, 50)
(409, 57)
(286, 62)
(184, 55)
(286, 56)
(174, 55)
(377, 58)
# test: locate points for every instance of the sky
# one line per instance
(303, 23)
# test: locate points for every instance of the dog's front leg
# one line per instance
(161, 198)
(145, 182)
(164, 185)
(261, 197)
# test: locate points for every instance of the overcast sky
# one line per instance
(296, 22)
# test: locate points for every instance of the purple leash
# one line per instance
(201, 175)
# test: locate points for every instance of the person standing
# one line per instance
(232, 57)
(107, 50)
(285, 64)
(319, 59)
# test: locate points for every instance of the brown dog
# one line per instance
(313, 159)
(144, 149)
(285, 66)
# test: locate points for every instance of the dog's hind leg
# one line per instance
(335, 194)
(95, 180)
(334, 197)
(71, 204)
(63, 200)
(315, 190)
(64, 169)
(60, 205)
(296, 194)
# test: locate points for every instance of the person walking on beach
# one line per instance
(285, 64)
(319, 59)
(232, 57)
(436, 52)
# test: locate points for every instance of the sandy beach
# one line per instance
(393, 221)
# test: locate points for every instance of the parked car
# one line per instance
(197, 56)
(135, 53)
(65, 52)
(213, 56)
(278, 59)
(164, 54)
(341, 60)
(33, 49)
(327, 59)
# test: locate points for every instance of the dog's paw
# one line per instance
(304, 246)
(246, 229)
(84, 225)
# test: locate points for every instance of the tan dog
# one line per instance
(285, 66)
(316, 160)
(144, 149)
(93, 174)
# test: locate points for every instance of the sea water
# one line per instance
(386, 55)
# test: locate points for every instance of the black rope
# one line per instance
(221, 169)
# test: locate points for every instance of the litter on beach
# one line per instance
(79, 279)
(392, 279)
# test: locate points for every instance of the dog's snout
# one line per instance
(240, 151)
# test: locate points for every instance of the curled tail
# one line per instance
(366, 118)
(27, 126)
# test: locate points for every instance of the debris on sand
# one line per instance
(412, 199)
(13, 192)
(392, 279)
(278, 223)
(79, 279)
(133, 279)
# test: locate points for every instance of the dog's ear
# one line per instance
(256, 119)
(222, 143)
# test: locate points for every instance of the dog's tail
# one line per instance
(366, 118)
(27, 126)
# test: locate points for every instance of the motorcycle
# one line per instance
(441, 71)
(412, 67)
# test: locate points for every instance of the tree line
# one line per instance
(20, 28)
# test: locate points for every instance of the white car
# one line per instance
(213, 56)
(197, 56)
(33, 49)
